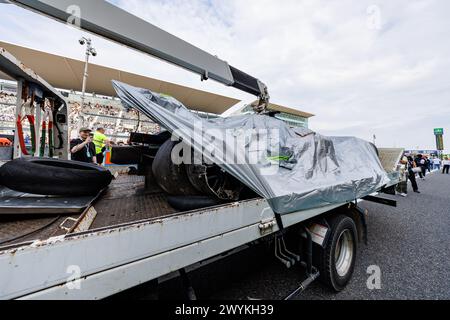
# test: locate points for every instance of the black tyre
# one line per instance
(337, 261)
(172, 178)
(54, 177)
(182, 203)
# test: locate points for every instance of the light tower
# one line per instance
(90, 50)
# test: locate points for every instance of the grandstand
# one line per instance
(108, 113)
(7, 109)
(99, 111)
(103, 112)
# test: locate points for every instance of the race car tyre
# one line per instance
(190, 203)
(54, 177)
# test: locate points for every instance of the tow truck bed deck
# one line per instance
(127, 200)
(135, 252)
(28, 218)
(25, 217)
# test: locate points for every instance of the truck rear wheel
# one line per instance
(337, 260)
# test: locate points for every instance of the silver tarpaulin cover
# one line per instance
(294, 169)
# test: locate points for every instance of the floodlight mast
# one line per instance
(90, 50)
(106, 20)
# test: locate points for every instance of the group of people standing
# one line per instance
(439, 164)
(446, 166)
(420, 165)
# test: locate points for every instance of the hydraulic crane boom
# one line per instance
(106, 20)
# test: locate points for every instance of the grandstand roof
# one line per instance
(66, 73)
(277, 107)
(15, 70)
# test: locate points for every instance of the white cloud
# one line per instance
(324, 57)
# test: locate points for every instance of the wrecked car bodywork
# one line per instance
(294, 169)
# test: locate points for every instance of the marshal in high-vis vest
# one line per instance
(100, 141)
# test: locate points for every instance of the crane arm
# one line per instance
(106, 20)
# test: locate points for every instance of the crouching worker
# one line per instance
(101, 142)
(83, 149)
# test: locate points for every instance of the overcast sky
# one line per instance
(362, 67)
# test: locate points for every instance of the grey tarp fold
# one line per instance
(294, 169)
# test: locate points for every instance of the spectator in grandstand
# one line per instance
(7, 118)
(101, 142)
(6, 98)
(83, 149)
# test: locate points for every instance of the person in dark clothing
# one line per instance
(422, 163)
(446, 164)
(429, 164)
(83, 149)
(411, 174)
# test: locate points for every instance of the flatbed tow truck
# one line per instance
(128, 235)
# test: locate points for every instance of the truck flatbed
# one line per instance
(140, 239)
(25, 218)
